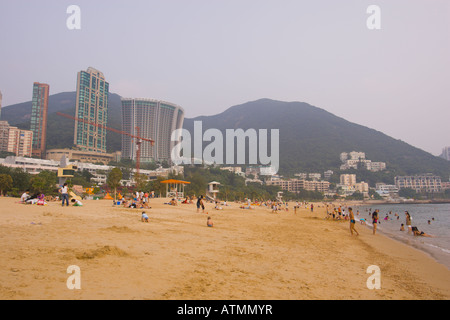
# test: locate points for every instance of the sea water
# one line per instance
(439, 227)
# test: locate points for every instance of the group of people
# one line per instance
(375, 215)
(408, 220)
(200, 205)
(139, 200)
(339, 213)
(37, 198)
(40, 198)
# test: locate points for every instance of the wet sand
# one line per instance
(248, 254)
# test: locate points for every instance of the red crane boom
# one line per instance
(138, 138)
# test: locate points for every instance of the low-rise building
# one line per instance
(99, 172)
(327, 174)
(348, 179)
(420, 183)
(355, 160)
(296, 185)
(83, 156)
(236, 170)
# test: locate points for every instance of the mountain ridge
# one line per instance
(311, 138)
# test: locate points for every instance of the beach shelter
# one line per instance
(175, 188)
(213, 189)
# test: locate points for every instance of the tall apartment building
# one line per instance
(156, 120)
(445, 152)
(0, 104)
(39, 109)
(4, 135)
(15, 140)
(420, 183)
(91, 105)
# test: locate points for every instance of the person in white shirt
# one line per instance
(65, 194)
(25, 196)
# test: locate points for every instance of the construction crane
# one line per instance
(138, 138)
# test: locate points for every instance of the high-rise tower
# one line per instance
(38, 125)
(91, 105)
(156, 120)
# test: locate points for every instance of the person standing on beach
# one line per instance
(408, 221)
(352, 222)
(65, 194)
(375, 220)
(200, 204)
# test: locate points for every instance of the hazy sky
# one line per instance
(208, 55)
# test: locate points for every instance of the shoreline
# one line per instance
(384, 202)
(248, 254)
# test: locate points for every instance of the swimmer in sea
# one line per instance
(417, 232)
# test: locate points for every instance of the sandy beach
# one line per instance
(248, 254)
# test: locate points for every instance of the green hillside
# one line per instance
(311, 139)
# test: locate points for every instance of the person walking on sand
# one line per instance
(65, 194)
(375, 220)
(352, 222)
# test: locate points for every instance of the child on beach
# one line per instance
(41, 200)
(76, 203)
(217, 207)
(144, 217)
(209, 222)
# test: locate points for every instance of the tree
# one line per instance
(355, 196)
(21, 179)
(141, 181)
(113, 180)
(198, 184)
(374, 195)
(165, 164)
(156, 185)
(407, 193)
(83, 179)
(44, 182)
(6, 183)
